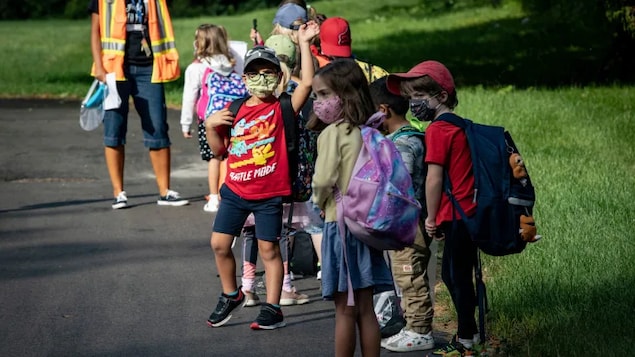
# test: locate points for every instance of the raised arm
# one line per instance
(306, 33)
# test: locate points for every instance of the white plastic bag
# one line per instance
(91, 113)
(388, 312)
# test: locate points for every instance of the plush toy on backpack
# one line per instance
(527, 223)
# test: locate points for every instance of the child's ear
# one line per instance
(384, 108)
(443, 96)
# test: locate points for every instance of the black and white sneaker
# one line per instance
(222, 312)
(270, 318)
(121, 201)
(172, 198)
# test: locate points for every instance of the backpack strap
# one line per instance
(236, 104)
(447, 185)
(291, 135)
(406, 130)
(290, 122)
(288, 117)
(454, 120)
(290, 128)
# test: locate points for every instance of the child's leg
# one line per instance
(345, 325)
(250, 255)
(268, 220)
(285, 242)
(459, 259)
(369, 335)
(225, 262)
(317, 245)
(409, 271)
(271, 259)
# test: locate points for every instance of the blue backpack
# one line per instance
(501, 199)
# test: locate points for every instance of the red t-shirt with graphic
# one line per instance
(446, 145)
(257, 162)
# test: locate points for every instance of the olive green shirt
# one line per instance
(337, 153)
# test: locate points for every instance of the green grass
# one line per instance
(571, 294)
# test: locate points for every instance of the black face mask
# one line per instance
(420, 109)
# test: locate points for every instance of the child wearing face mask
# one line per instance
(211, 50)
(257, 177)
(430, 88)
(409, 265)
(343, 103)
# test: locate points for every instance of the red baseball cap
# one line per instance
(436, 70)
(335, 37)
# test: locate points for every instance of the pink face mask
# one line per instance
(328, 110)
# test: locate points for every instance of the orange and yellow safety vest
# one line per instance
(112, 23)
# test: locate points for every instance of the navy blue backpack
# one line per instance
(500, 198)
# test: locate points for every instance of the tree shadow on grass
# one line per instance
(519, 52)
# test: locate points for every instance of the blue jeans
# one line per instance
(149, 101)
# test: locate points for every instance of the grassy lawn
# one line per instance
(571, 294)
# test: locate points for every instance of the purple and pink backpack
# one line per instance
(379, 207)
(218, 90)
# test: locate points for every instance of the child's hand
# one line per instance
(187, 135)
(433, 230)
(220, 118)
(308, 31)
(255, 37)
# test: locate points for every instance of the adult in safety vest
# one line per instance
(134, 40)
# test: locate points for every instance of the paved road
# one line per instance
(79, 279)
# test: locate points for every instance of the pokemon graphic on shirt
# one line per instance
(256, 152)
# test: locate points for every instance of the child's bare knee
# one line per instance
(268, 250)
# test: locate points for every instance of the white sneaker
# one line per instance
(121, 201)
(292, 298)
(406, 341)
(212, 204)
(251, 299)
(476, 339)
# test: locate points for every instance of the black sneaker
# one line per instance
(172, 198)
(270, 318)
(222, 312)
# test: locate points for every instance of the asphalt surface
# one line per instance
(80, 279)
